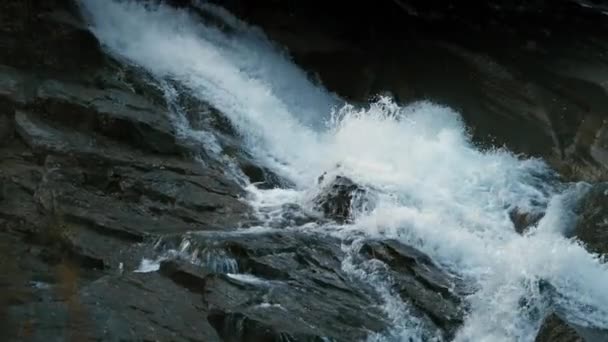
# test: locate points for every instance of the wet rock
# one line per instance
(45, 137)
(420, 282)
(144, 307)
(46, 36)
(6, 128)
(281, 284)
(185, 274)
(90, 169)
(270, 269)
(122, 219)
(251, 279)
(522, 220)
(262, 177)
(273, 319)
(554, 329)
(206, 198)
(287, 215)
(12, 89)
(117, 114)
(102, 171)
(102, 213)
(20, 211)
(592, 227)
(35, 299)
(339, 198)
(18, 182)
(104, 194)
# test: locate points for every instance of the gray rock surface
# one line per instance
(95, 177)
(592, 227)
(556, 330)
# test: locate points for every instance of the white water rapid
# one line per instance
(435, 189)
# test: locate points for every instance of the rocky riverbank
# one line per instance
(95, 175)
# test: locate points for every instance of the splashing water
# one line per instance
(436, 190)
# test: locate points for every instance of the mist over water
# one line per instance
(434, 189)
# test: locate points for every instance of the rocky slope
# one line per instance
(95, 175)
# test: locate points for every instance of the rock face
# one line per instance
(418, 281)
(592, 227)
(91, 169)
(95, 175)
(280, 286)
(556, 330)
(522, 220)
(295, 285)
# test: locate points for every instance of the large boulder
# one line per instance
(92, 172)
(119, 114)
(268, 286)
(114, 308)
(554, 329)
(433, 293)
(94, 175)
(252, 279)
(117, 309)
(340, 198)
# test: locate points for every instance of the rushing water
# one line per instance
(434, 189)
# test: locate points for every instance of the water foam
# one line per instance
(435, 189)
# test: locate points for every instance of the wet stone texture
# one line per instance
(94, 176)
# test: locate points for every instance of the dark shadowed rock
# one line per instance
(94, 172)
(592, 227)
(45, 137)
(118, 114)
(253, 279)
(185, 274)
(104, 209)
(236, 327)
(420, 282)
(19, 179)
(554, 329)
(339, 197)
(6, 128)
(144, 307)
(274, 284)
(47, 36)
(522, 220)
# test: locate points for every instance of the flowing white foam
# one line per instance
(148, 265)
(244, 76)
(435, 190)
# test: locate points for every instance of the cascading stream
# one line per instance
(435, 189)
